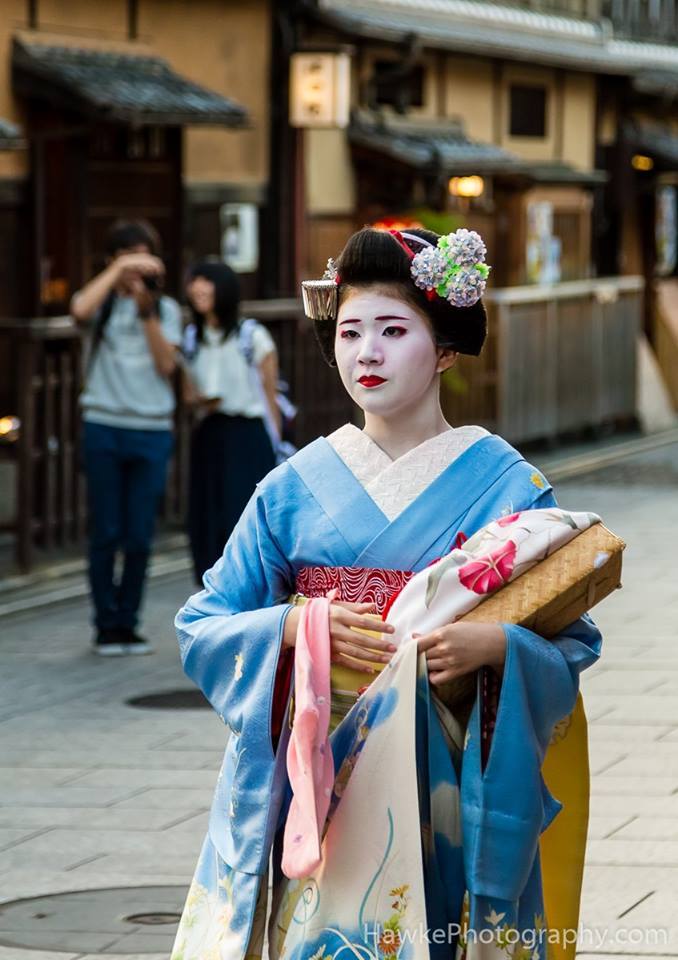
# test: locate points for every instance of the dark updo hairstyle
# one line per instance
(226, 295)
(376, 258)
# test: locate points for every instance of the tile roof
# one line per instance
(492, 29)
(444, 147)
(434, 147)
(118, 86)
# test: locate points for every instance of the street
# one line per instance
(101, 795)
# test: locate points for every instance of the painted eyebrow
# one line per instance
(388, 317)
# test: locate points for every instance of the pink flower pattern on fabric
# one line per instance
(437, 595)
(491, 572)
(507, 521)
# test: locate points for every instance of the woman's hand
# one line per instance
(462, 648)
(345, 643)
(345, 619)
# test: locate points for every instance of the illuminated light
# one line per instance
(320, 92)
(466, 186)
(640, 162)
(9, 428)
(397, 223)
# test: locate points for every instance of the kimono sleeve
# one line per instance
(230, 633)
(507, 804)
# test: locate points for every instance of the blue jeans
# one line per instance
(126, 471)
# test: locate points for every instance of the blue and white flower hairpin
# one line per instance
(454, 269)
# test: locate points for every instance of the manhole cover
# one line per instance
(153, 919)
(183, 699)
(122, 920)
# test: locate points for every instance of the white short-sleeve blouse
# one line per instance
(219, 369)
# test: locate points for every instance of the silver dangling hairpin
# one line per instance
(321, 297)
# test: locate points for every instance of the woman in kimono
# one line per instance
(422, 855)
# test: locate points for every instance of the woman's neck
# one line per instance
(405, 430)
(211, 319)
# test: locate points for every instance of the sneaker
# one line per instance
(107, 643)
(133, 643)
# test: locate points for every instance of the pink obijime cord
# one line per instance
(310, 765)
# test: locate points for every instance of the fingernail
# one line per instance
(392, 647)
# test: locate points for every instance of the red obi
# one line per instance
(355, 584)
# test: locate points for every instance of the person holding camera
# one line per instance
(127, 408)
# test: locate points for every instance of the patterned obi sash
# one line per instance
(380, 587)
(354, 585)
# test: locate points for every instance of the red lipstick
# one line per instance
(371, 381)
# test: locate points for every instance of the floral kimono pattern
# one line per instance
(476, 834)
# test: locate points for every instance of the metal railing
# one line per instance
(642, 19)
(634, 19)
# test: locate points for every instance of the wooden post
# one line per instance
(26, 459)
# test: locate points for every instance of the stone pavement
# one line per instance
(631, 878)
(99, 795)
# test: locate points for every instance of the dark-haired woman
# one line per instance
(394, 848)
(235, 384)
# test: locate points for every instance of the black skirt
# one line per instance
(229, 456)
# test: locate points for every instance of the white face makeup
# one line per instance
(385, 352)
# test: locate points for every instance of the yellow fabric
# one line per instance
(345, 682)
(566, 773)
(563, 844)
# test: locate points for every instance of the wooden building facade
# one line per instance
(564, 109)
(129, 108)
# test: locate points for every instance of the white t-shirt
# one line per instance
(219, 369)
(123, 388)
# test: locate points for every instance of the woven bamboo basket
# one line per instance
(558, 590)
(548, 597)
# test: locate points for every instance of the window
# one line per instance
(398, 86)
(527, 111)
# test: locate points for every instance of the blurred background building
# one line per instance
(266, 132)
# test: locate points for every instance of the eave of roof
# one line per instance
(444, 148)
(481, 28)
(435, 147)
(118, 86)
(655, 139)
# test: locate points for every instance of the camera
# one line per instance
(151, 282)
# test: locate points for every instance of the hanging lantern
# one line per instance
(320, 85)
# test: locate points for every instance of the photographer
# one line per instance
(127, 408)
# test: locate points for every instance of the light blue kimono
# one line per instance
(312, 511)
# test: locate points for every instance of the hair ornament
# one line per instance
(454, 269)
(331, 272)
(320, 299)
